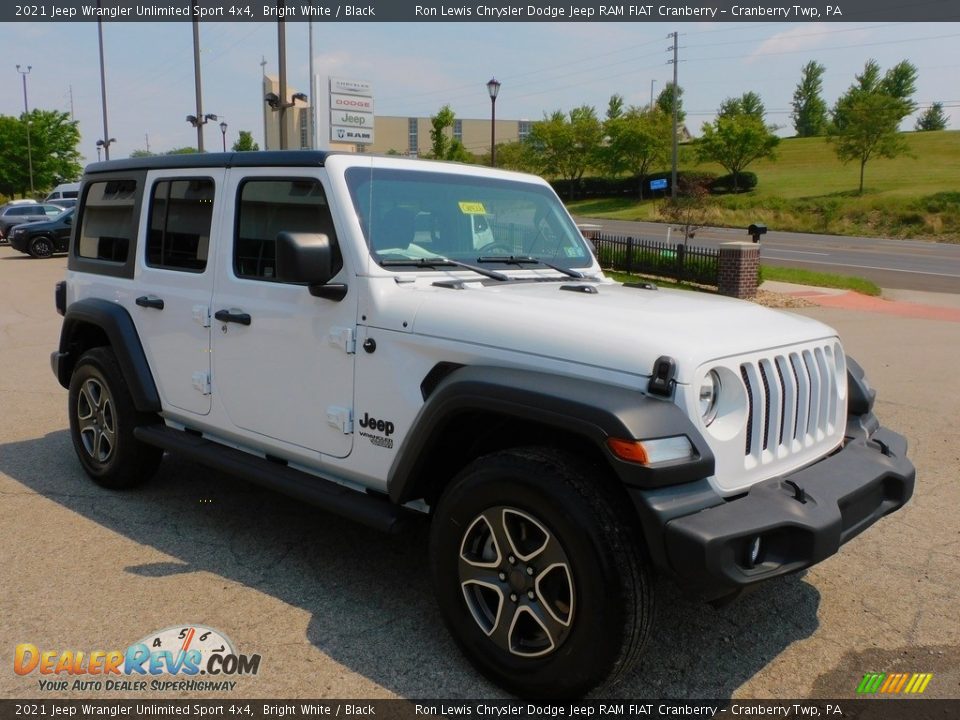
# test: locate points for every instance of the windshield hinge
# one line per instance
(344, 338)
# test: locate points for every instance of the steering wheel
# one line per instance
(496, 248)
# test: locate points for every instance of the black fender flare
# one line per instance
(116, 323)
(590, 409)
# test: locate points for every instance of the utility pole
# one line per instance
(676, 100)
(71, 102)
(146, 137)
(26, 120)
(652, 81)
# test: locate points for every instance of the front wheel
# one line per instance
(538, 575)
(41, 247)
(102, 420)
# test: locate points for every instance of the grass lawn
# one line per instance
(806, 189)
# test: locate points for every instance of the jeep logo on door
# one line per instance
(372, 425)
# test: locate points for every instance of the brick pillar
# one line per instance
(739, 269)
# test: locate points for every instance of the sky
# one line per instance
(415, 68)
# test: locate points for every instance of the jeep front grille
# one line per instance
(791, 402)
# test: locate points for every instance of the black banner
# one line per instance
(664, 11)
(877, 709)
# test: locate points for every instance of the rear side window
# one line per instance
(181, 212)
(109, 221)
(268, 207)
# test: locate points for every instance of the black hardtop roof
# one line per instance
(258, 158)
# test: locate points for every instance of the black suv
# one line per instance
(44, 238)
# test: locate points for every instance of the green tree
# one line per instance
(245, 142)
(565, 145)
(809, 109)
(142, 154)
(187, 150)
(866, 119)
(636, 140)
(54, 139)
(519, 156)
(870, 128)
(664, 101)
(442, 145)
(933, 118)
(735, 141)
(747, 104)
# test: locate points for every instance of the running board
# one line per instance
(361, 507)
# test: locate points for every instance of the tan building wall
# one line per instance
(403, 135)
(398, 134)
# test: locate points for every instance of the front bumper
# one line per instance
(800, 518)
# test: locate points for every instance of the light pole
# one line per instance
(652, 81)
(199, 122)
(103, 91)
(223, 131)
(105, 144)
(493, 87)
(26, 119)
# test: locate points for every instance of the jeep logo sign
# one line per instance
(384, 426)
(351, 119)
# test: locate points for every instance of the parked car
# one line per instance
(18, 213)
(45, 237)
(64, 203)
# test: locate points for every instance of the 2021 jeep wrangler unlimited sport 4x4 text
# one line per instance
(384, 337)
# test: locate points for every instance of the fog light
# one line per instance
(753, 552)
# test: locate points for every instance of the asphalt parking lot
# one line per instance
(340, 611)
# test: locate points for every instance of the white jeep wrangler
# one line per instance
(387, 337)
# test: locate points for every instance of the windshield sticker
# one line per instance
(472, 208)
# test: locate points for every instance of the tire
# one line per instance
(40, 247)
(102, 420)
(568, 605)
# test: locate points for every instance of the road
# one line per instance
(900, 264)
(340, 611)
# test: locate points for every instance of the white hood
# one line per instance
(617, 328)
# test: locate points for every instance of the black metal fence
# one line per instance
(649, 257)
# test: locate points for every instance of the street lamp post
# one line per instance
(105, 144)
(26, 119)
(493, 87)
(223, 131)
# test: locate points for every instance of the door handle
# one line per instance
(236, 316)
(149, 301)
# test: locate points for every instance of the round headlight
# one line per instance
(709, 394)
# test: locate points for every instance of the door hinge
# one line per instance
(340, 418)
(201, 381)
(344, 338)
(201, 314)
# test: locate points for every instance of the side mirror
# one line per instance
(309, 258)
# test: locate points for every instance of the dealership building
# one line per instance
(408, 136)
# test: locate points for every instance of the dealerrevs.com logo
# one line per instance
(177, 658)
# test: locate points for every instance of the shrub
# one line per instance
(746, 181)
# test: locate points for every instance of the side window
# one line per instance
(268, 207)
(109, 222)
(181, 212)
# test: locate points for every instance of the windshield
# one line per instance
(412, 215)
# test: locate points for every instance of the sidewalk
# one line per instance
(901, 303)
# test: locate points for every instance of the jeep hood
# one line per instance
(618, 328)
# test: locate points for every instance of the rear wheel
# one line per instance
(538, 576)
(41, 247)
(102, 420)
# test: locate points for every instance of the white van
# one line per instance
(64, 191)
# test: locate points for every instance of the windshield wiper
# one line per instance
(432, 262)
(527, 260)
